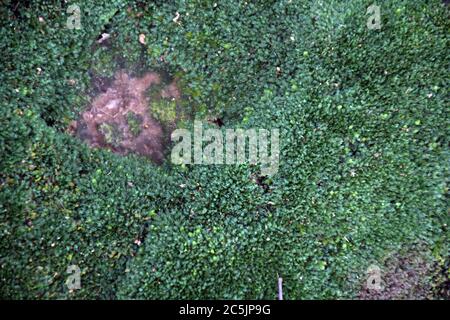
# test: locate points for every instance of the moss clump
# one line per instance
(134, 122)
(111, 134)
(103, 62)
(164, 110)
(154, 93)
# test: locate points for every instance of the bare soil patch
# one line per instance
(120, 116)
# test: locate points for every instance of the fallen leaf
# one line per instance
(177, 17)
(103, 37)
(142, 38)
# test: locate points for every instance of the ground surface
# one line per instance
(362, 183)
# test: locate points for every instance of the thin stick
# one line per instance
(280, 288)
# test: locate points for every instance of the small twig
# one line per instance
(280, 288)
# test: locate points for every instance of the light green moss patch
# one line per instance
(111, 133)
(134, 123)
(164, 110)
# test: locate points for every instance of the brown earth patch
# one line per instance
(409, 276)
(119, 118)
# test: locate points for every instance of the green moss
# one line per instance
(154, 92)
(359, 175)
(164, 110)
(103, 62)
(111, 133)
(134, 122)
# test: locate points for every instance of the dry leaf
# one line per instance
(177, 16)
(142, 38)
(103, 37)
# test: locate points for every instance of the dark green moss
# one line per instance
(363, 156)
